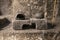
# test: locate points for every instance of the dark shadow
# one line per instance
(20, 17)
(27, 26)
(33, 25)
(42, 16)
(0, 13)
(3, 23)
(50, 25)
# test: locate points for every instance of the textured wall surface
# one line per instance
(29, 20)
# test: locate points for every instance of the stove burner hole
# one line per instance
(27, 26)
(20, 17)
